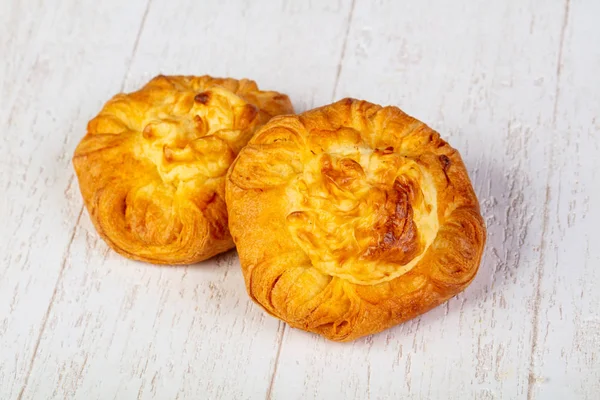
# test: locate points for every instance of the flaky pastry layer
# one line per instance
(152, 165)
(352, 218)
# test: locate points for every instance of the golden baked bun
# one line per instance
(152, 166)
(351, 218)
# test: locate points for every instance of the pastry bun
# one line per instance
(352, 218)
(152, 165)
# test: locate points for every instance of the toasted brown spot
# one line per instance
(168, 153)
(445, 161)
(147, 132)
(397, 238)
(202, 98)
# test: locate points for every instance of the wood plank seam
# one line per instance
(333, 97)
(50, 303)
(563, 29)
(75, 227)
(343, 53)
(136, 44)
(546, 215)
(69, 340)
(283, 326)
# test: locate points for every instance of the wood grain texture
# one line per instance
(495, 103)
(181, 332)
(511, 84)
(566, 358)
(54, 54)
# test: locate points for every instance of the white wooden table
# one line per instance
(514, 85)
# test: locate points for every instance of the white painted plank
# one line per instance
(275, 43)
(22, 35)
(566, 362)
(483, 74)
(120, 329)
(54, 54)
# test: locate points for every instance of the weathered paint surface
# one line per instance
(513, 85)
